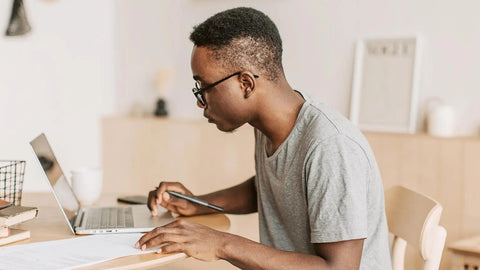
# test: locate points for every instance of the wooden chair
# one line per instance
(413, 218)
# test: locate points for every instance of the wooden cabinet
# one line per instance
(138, 153)
(466, 254)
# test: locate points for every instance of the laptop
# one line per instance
(92, 220)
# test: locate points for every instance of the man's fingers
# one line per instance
(171, 208)
(173, 247)
(174, 227)
(152, 202)
(153, 233)
(161, 240)
(163, 199)
(170, 200)
(157, 237)
(174, 186)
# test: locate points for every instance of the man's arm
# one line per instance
(247, 254)
(206, 244)
(239, 199)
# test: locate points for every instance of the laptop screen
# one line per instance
(57, 179)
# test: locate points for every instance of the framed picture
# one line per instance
(385, 84)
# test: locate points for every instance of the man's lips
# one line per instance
(210, 120)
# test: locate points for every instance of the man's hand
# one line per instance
(193, 239)
(176, 205)
(206, 244)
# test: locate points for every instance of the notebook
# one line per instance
(16, 214)
(14, 236)
(92, 220)
(4, 231)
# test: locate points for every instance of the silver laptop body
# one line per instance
(92, 220)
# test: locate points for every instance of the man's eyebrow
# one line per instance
(196, 78)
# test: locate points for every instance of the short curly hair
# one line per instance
(242, 38)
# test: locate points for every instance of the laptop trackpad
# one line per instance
(143, 218)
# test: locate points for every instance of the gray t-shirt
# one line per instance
(321, 185)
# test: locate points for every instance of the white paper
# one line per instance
(69, 253)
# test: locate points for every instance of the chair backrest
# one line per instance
(413, 218)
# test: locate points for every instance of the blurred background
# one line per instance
(84, 60)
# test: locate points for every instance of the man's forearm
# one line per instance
(247, 254)
(239, 199)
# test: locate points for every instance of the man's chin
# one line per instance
(228, 129)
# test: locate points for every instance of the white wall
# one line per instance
(318, 38)
(59, 80)
(87, 58)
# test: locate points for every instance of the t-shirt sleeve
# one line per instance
(336, 182)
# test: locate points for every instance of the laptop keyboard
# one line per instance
(109, 218)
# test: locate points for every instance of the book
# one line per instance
(4, 231)
(4, 204)
(15, 235)
(16, 214)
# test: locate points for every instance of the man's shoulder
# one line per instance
(323, 125)
(323, 122)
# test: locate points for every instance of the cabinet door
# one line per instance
(465, 262)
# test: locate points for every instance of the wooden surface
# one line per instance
(140, 152)
(51, 225)
(471, 245)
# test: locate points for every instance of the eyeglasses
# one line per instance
(198, 90)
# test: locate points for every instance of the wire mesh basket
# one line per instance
(11, 180)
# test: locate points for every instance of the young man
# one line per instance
(317, 187)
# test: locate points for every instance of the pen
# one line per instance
(195, 200)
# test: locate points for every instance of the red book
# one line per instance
(4, 204)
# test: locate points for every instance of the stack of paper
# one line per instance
(70, 253)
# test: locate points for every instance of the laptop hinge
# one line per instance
(79, 219)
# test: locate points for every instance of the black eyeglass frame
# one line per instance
(197, 91)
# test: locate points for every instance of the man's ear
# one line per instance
(247, 80)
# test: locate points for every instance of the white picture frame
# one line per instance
(385, 84)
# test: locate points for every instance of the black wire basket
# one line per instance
(11, 180)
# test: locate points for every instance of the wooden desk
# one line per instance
(51, 225)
